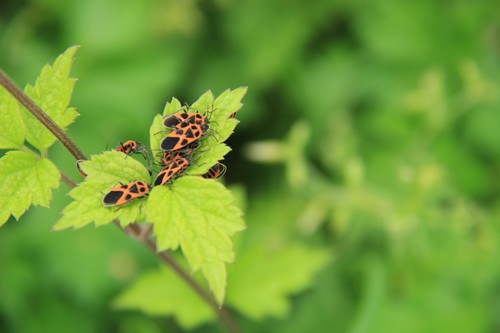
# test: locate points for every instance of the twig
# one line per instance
(224, 316)
(68, 180)
(133, 230)
(41, 116)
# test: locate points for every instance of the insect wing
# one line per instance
(123, 194)
(182, 137)
(173, 170)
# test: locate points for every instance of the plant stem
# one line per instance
(41, 116)
(133, 230)
(224, 316)
(68, 180)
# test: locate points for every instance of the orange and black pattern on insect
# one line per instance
(182, 137)
(172, 170)
(187, 151)
(217, 171)
(125, 193)
(84, 175)
(182, 120)
(131, 147)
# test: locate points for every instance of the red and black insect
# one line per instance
(217, 171)
(181, 120)
(134, 147)
(131, 147)
(125, 193)
(172, 170)
(187, 151)
(84, 175)
(182, 137)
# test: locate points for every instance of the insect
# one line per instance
(217, 171)
(232, 115)
(125, 193)
(84, 175)
(132, 147)
(182, 137)
(181, 120)
(186, 151)
(172, 170)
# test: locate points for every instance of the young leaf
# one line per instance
(199, 215)
(227, 103)
(156, 133)
(113, 167)
(221, 127)
(52, 92)
(204, 104)
(161, 293)
(259, 274)
(104, 172)
(25, 180)
(12, 130)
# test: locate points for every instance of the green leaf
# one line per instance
(25, 180)
(52, 93)
(207, 159)
(12, 130)
(199, 215)
(259, 275)
(212, 148)
(161, 293)
(156, 133)
(104, 172)
(227, 103)
(113, 167)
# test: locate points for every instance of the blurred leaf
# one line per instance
(162, 293)
(52, 93)
(199, 215)
(12, 129)
(481, 130)
(25, 180)
(104, 172)
(273, 276)
(373, 297)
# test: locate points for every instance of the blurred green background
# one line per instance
(371, 130)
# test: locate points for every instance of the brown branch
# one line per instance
(41, 116)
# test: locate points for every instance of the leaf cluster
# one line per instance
(27, 177)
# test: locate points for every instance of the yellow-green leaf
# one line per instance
(25, 180)
(271, 275)
(163, 293)
(104, 172)
(198, 215)
(52, 93)
(12, 130)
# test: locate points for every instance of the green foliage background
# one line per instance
(370, 131)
